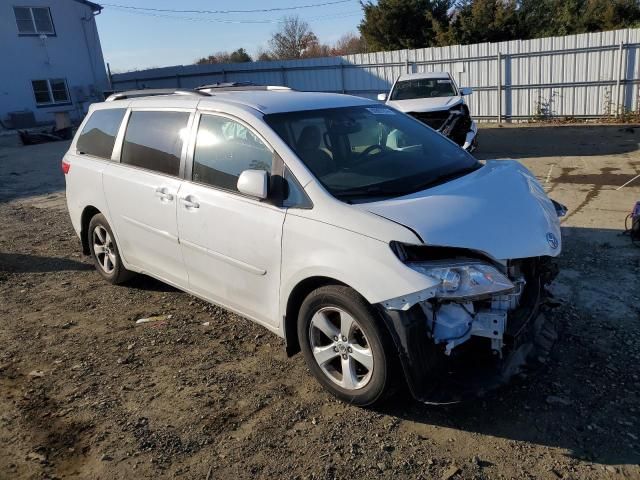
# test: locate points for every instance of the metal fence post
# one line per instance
(618, 75)
(342, 77)
(499, 85)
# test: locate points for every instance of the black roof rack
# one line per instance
(227, 85)
(150, 92)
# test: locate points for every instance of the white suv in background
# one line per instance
(367, 240)
(435, 99)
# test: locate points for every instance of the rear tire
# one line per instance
(104, 251)
(345, 346)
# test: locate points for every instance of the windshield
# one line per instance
(368, 152)
(423, 88)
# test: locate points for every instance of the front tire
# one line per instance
(345, 346)
(104, 251)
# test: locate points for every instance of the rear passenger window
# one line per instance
(224, 149)
(99, 133)
(154, 141)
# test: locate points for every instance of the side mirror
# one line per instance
(382, 97)
(254, 183)
(466, 91)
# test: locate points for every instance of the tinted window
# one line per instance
(99, 133)
(224, 149)
(371, 152)
(154, 140)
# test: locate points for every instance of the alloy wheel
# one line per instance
(103, 249)
(340, 348)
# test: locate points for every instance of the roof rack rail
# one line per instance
(150, 92)
(237, 86)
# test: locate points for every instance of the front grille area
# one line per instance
(459, 131)
(433, 119)
(453, 126)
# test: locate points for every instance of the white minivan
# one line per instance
(375, 245)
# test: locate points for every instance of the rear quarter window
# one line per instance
(98, 135)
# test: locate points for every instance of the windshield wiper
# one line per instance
(375, 191)
(449, 176)
(371, 191)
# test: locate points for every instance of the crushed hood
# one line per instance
(425, 104)
(500, 209)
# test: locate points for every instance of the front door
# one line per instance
(230, 243)
(142, 193)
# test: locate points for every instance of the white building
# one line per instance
(50, 58)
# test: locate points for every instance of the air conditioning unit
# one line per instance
(22, 119)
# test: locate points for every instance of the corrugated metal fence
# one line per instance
(585, 76)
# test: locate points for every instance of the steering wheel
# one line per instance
(367, 151)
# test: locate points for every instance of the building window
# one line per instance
(50, 92)
(34, 21)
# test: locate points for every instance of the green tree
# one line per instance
(484, 21)
(536, 17)
(609, 14)
(240, 56)
(397, 24)
(237, 56)
(544, 18)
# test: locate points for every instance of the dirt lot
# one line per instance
(87, 393)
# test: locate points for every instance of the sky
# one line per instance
(137, 39)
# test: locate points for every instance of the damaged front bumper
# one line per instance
(455, 124)
(471, 139)
(502, 336)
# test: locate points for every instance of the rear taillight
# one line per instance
(65, 166)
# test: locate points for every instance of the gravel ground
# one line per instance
(198, 392)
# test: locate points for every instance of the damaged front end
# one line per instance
(476, 328)
(454, 123)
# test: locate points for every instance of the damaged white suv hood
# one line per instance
(425, 104)
(500, 209)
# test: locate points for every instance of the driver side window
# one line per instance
(224, 149)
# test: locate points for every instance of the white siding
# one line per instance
(73, 53)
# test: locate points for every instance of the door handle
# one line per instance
(164, 194)
(190, 202)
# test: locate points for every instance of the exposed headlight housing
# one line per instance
(462, 279)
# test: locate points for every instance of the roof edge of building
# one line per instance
(94, 6)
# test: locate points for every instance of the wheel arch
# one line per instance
(294, 302)
(87, 214)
